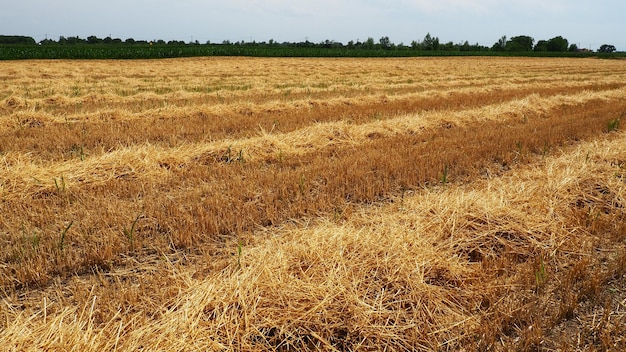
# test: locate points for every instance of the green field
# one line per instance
(25, 52)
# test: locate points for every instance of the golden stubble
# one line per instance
(241, 203)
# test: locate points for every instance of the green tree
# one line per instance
(558, 44)
(75, 40)
(16, 39)
(47, 42)
(542, 45)
(430, 42)
(607, 48)
(384, 42)
(449, 46)
(500, 45)
(92, 39)
(520, 43)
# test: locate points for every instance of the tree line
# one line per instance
(524, 43)
(517, 44)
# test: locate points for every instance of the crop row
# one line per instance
(93, 133)
(26, 52)
(74, 226)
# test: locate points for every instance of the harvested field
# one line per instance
(313, 204)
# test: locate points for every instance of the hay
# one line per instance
(318, 219)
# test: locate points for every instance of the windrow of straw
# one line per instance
(147, 160)
(186, 201)
(500, 263)
(97, 132)
(256, 204)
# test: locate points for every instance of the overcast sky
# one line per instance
(587, 23)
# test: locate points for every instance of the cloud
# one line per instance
(291, 8)
(485, 7)
(474, 6)
(321, 11)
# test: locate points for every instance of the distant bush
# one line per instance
(607, 48)
(16, 40)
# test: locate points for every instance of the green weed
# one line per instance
(540, 275)
(63, 234)
(60, 184)
(613, 125)
(239, 253)
(35, 240)
(444, 176)
(229, 156)
(240, 157)
(301, 184)
(545, 149)
(130, 233)
(79, 151)
(76, 91)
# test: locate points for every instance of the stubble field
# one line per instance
(313, 204)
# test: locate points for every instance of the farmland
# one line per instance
(306, 204)
(304, 50)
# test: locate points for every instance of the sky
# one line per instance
(586, 23)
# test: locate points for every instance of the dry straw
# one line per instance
(304, 204)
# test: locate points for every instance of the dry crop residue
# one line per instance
(305, 204)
